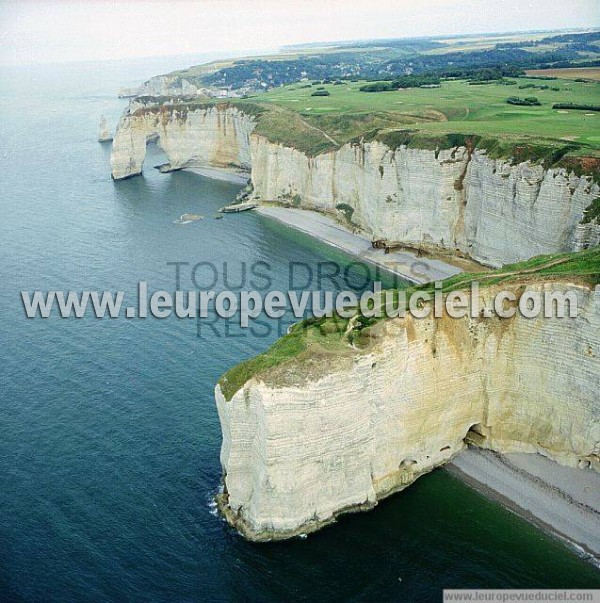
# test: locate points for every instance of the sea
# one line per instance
(109, 434)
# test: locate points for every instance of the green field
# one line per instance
(322, 123)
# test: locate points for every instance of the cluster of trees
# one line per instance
(544, 87)
(475, 76)
(322, 68)
(459, 62)
(392, 60)
(377, 87)
(568, 64)
(414, 81)
(574, 42)
(338, 66)
(573, 38)
(529, 101)
(406, 81)
(542, 77)
(320, 93)
(482, 74)
(579, 106)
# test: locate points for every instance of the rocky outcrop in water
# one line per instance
(304, 443)
(104, 134)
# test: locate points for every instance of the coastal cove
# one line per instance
(559, 500)
(110, 431)
(509, 204)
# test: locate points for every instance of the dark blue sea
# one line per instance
(109, 436)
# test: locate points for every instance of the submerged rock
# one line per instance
(187, 218)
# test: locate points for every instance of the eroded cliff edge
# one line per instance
(342, 424)
(459, 199)
(190, 135)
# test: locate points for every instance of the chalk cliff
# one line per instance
(165, 85)
(491, 210)
(199, 137)
(456, 199)
(304, 443)
(104, 134)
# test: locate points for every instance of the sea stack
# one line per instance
(104, 135)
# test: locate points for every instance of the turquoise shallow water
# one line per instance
(109, 437)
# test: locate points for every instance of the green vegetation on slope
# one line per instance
(429, 118)
(592, 213)
(407, 73)
(454, 108)
(314, 334)
(318, 337)
(290, 129)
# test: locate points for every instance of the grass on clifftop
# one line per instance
(317, 124)
(321, 334)
(429, 118)
(320, 337)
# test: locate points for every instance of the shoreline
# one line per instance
(228, 175)
(405, 264)
(558, 500)
(561, 501)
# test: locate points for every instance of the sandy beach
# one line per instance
(403, 263)
(563, 501)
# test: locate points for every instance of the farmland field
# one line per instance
(455, 107)
(589, 73)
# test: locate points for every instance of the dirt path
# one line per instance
(329, 138)
(528, 270)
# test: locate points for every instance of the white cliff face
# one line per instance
(165, 85)
(297, 451)
(534, 209)
(198, 137)
(587, 235)
(405, 195)
(489, 209)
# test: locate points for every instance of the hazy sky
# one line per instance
(33, 31)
